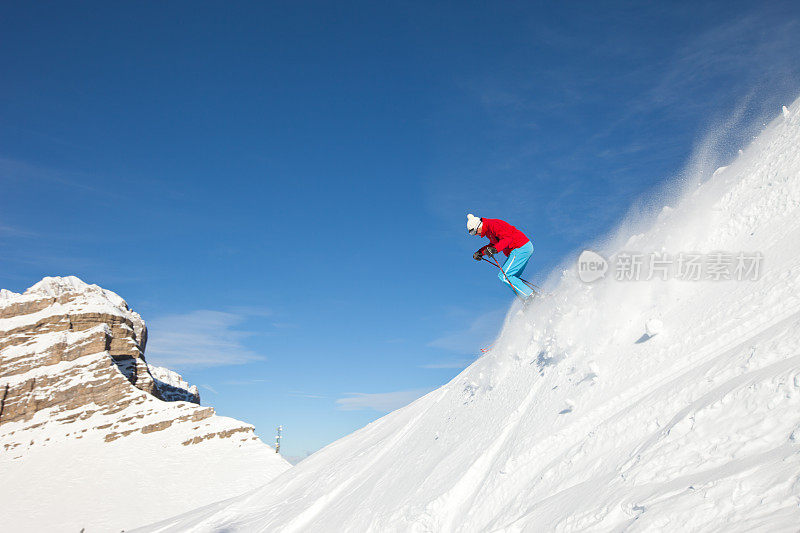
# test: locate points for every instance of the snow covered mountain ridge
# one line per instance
(577, 419)
(56, 331)
(78, 397)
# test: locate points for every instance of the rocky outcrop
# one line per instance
(72, 363)
(94, 438)
(172, 387)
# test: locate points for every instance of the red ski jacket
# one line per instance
(502, 235)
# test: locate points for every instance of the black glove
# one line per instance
(491, 250)
(477, 255)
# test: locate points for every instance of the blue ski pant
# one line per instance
(513, 267)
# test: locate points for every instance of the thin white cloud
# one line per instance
(283, 325)
(13, 231)
(201, 338)
(244, 381)
(251, 310)
(210, 388)
(745, 51)
(21, 171)
(739, 48)
(301, 394)
(382, 402)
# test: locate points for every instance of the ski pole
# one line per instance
(526, 282)
(497, 264)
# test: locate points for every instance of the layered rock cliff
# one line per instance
(73, 376)
(71, 351)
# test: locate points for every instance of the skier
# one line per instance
(503, 237)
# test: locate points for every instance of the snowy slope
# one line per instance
(112, 486)
(576, 420)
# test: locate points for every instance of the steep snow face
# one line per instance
(647, 405)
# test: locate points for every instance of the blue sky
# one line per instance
(280, 189)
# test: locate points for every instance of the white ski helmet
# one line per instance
(473, 224)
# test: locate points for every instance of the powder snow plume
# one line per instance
(639, 405)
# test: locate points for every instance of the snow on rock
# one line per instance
(172, 387)
(6, 294)
(56, 286)
(86, 425)
(697, 434)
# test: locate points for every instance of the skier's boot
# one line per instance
(526, 303)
